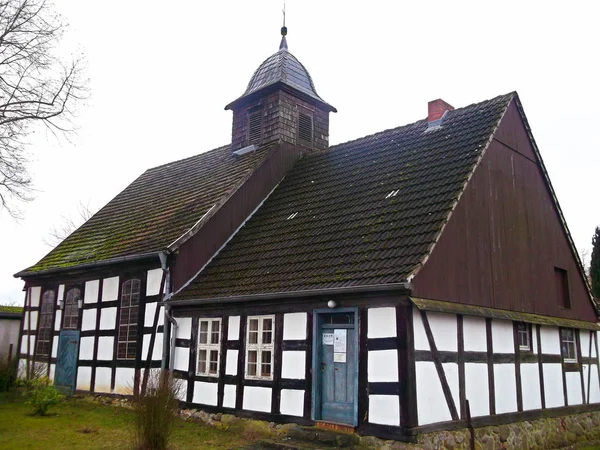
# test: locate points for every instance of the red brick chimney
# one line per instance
(437, 108)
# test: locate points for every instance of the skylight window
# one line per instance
(393, 193)
(291, 216)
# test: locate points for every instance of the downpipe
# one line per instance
(170, 332)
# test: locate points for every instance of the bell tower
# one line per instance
(280, 104)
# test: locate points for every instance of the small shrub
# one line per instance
(156, 411)
(8, 373)
(41, 395)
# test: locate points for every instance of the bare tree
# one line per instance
(36, 86)
(58, 233)
(584, 255)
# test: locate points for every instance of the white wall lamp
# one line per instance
(331, 304)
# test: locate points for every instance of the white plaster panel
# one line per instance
(86, 348)
(149, 315)
(382, 365)
(293, 364)
(145, 346)
(594, 386)
(153, 281)
(229, 395)
(553, 385)
(61, 292)
(233, 331)
(27, 321)
(444, 330)
(594, 345)
(475, 336)
(182, 390)
(451, 372)
(84, 377)
(184, 328)
(161, 316)
(550, 340)
(205, 393)
(91, 291)
(431, 403)
(292, 402)
(584, 339)
(110, 289)
(182, 358)
(34, 293)
(52, 372)
(88, 319)
(477, 389)
(257, 398)
(54, 346)
(503, 336)
(103, 378)
(506, 388)
(420, 337)
(534, 340)
(58, 320)
(231, 362)
(124, 380)
(106, 348)
(384, 409)
(530, 382)
(24, 344)
(294, 326)
(108, 318)
(21, 370)
(381, 322)
(157, 350)
(573, 380)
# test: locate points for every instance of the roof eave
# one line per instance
(274, 86)
(120, 259)
(404, 287)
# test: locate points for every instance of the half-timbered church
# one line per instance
(395, 283)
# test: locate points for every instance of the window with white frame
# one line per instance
(128, 319)
(568, 345)
(209, 347)
(260, 333)
(524, 336)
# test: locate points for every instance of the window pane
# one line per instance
(203, 332)
(253, 337)
(202, 361)
(252, 359)
(214, 361)
(266, 364)
(253, 325)
(215, 332)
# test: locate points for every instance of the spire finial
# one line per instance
(283, 44)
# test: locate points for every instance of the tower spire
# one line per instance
(283, 44)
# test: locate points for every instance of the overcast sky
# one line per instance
(162, 72)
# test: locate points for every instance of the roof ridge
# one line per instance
(222, 147)
(400, 127)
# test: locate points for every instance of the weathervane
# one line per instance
(283, 28)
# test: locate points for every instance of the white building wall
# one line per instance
(530, 380)
(257, 398)
(477, 388)
(573, 380)
(505, 386)
(381, 322)
(292, 402)
(205, 393)
(384, 409)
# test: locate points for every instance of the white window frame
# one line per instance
(526, 332)
(574, 342)
(260, 347)
(209, 346)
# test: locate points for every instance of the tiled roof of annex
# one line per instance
(154, 210)
(366, 212)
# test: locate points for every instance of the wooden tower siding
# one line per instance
(505, 237)
(197, 251)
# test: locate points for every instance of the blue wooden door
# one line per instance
(337, 371)
(66, 361)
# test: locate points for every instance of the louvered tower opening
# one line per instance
(255, 127)
(305, 127)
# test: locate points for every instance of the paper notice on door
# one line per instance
(339, 357)
(327, 338)
(339, 341)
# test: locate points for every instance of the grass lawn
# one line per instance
(79, 423)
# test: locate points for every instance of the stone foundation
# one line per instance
(548, 433)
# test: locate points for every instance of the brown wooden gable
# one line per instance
(506, 236)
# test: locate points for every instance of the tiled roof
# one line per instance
(365, 212)
(155, 209)
(282, 67)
